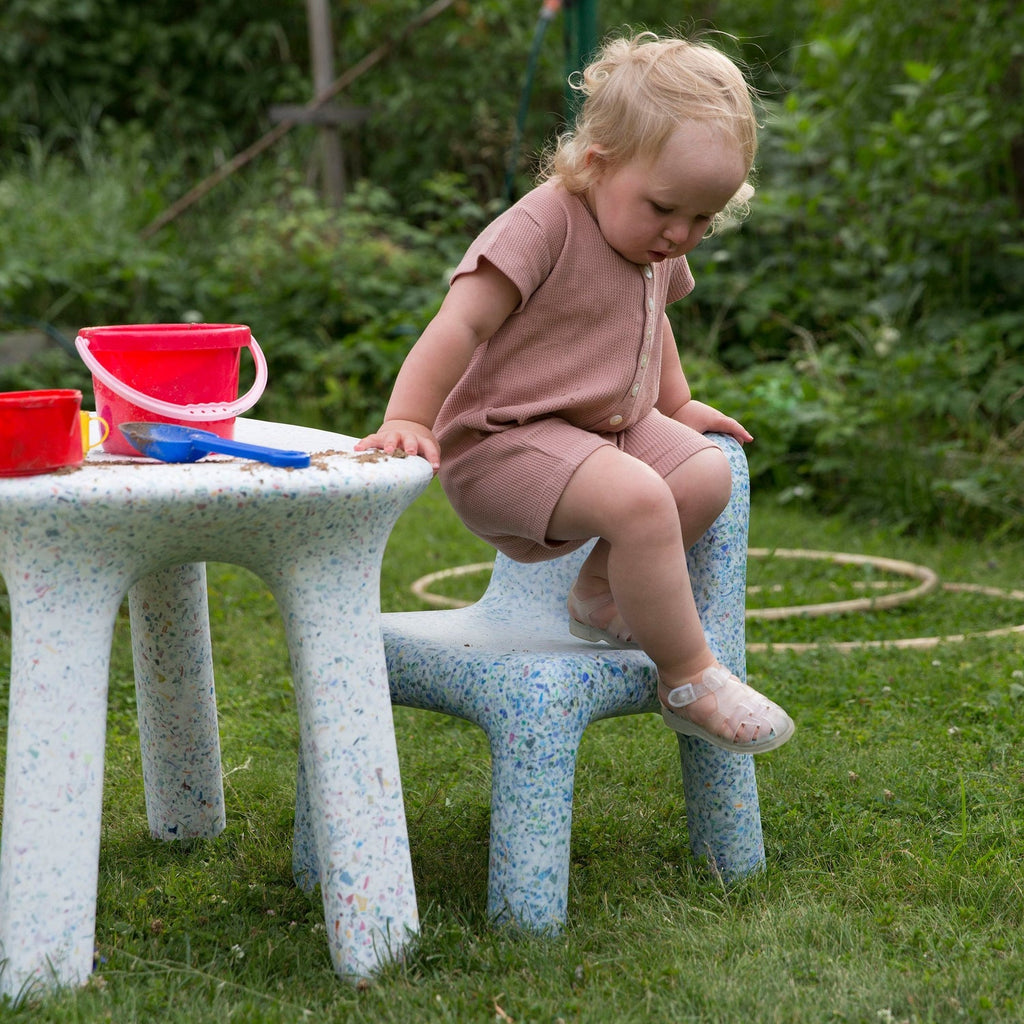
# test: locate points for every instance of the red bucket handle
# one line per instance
(171, 409)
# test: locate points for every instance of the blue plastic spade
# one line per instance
(170, 442)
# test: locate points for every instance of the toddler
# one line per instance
(548, 392)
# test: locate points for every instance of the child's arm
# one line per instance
(674, 398)
(476, 305)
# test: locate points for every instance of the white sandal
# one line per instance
(615, 633)
(747, 707)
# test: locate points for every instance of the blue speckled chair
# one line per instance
(509, 664)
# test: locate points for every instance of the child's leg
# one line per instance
(701, 487)
(639, 516)
(623, 501)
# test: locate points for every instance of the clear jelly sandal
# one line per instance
(615, 632)
(739, 709)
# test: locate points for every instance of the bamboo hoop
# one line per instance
(928, 577)
(419, 588)
(929, 582)
(912, 642)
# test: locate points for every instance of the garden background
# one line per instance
(865, 322)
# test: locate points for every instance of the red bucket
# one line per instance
(40, 431)
(169, 373)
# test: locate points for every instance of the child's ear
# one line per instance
(594, 157)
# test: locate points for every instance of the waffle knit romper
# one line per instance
(576, 366)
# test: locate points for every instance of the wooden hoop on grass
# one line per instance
(928, 577)
(929, 582)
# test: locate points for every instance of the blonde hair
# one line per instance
(637, 92)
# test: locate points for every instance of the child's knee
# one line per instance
(718, 479)
(705, 486)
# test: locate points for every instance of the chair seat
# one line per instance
(435, 658)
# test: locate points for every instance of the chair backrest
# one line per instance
(541, 587)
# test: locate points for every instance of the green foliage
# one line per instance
(925, 437)
(870, 307)
(477, 58)
(334, 296)
(340, 294)
(68, 232)
(197, 75)
(888, 190)
(864, 322)
(201, 77)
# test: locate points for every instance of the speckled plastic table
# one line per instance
(72, 545)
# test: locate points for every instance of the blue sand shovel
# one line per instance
(170, 442)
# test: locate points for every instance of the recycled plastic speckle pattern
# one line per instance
(72, 545)
(509, 664)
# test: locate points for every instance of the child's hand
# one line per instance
(404, 435)
(706, 419)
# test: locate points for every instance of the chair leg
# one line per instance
(531, 824)
(722, 810)
(723, 816)
(717, 565)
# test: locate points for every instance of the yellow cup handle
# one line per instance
(87, 419)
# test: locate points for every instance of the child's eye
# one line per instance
(663, 210)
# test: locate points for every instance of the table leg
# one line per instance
(305, 861)
(174, 686)
(351, 810)
(53, 788)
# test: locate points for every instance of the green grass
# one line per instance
(893, 826)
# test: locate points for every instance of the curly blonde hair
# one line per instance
(637, 92)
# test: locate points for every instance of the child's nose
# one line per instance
(678, 232)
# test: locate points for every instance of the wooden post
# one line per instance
(289, 120)
(321, 50)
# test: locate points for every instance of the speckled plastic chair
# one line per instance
(509, 664)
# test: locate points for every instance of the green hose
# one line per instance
(548, 10)
(48, 329)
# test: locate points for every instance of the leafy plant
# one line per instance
(338, 295)
(863, 322)
(197, 75)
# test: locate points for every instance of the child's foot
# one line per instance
(596, 619)
(717, 707)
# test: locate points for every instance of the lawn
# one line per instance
(893, 826)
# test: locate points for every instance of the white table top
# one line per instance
(334, 463)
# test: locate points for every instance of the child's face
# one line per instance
(654, 210)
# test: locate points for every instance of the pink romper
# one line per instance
(576, 366)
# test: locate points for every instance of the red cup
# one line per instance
(40, 431)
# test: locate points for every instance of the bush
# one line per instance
(889, 194)
(338, 296)
(335, 296)
(926, 438)
(864, 322)
(197, 76)
(870, 305)
(69, 236)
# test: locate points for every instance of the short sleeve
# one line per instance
(680, 282)
(523, 243)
